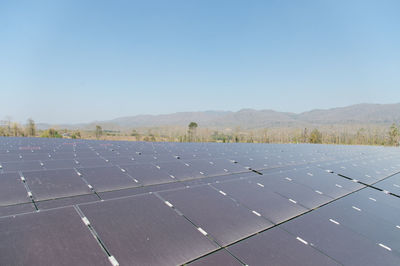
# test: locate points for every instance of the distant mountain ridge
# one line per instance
(250, 118)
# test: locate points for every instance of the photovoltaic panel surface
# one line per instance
(255, 196)
(16, 209)
(51, 184)
(296, 193)
(179, 170)
(220, 178)
(12, 190)
(67, 201)
(21, 166)
(140, 190)
(339, 241)
(327, 183)
(91, 162)
(60, 164)
(107, 178)
(214, 212)
(391, 184)
(142, 230)
(56, 237)
(197, 203)
(220, 257)
(278, 247)
(206, 167)
(147, 174)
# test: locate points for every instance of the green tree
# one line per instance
(99, 131)
(192, 130)
(31, 128)
(50, 133)
(3, 131)
(134, 133)
(315, 136)
(76, 135)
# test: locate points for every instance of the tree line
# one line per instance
(337, 134)
(9, 128)
(14, 129)
(330, 134)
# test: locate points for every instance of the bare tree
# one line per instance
(31, 128)
(16, 130)
(99, 131)
(305, 135)
(8, 125)
(393, 135)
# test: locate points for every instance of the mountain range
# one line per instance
(383, 114)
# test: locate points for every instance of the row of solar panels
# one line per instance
(68, 149)
(190, 203)
(235, 221)
(51, 184)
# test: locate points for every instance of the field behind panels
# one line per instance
(79, 202)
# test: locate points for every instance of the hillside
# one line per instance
(383, 114)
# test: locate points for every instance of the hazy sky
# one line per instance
(78, 61)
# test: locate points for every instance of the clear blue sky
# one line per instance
(78, 61)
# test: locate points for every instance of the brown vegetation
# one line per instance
(328, 134)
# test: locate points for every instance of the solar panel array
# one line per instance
(81, 202)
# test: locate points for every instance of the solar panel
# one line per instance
(107, 178)
(12, 190)
(91, 162)
(391, 184)
(68, 201)
(218, 179)
(86, 154)
(260, 162)
(228, 166)
(140, 190)
(374, 202)
(35, 156)
(193, 155)
(21, 166)
(277, 247)
(62, 156)
(179, 170)
(216, 214)
(16, 209)
(206, 167)
(295, 193)
(339, 242)
(163, 157)
(59, 164)
(324, 182)
(147, 174)
(256, 196)
(147, 158)
(51, 184)
(220, 257)
(175, 203)
(9, 158)
(144, 230)
(365, 174)
(57, 237)
(121, 160)
(362, 221)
